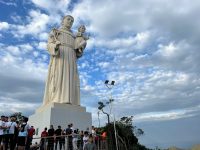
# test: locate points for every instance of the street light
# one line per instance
(110, 86)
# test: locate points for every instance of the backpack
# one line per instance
(22, 131)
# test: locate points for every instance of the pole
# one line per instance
(98, 118)
(116, 141)
(110, 106)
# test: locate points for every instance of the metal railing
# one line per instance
(66, 142)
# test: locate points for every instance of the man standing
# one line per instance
(51, 138)
(58, 133)
(43, 139)
(69, 137)
(31, 132)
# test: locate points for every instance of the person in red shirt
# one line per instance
(103, 135)
(42, 142)
(31, 132)
(44, 133)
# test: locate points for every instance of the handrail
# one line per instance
(54, 136)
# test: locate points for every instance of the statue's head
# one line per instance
(82, 29)
(67, 21)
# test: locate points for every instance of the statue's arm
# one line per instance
(53, 44)
(81, 43)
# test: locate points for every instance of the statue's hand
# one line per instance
(58, 43)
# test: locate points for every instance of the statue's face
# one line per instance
(82, 29)
(68, 21)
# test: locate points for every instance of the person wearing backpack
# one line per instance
(23, 132)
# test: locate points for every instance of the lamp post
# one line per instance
(98, 118)
(110, 86)
(99, 126)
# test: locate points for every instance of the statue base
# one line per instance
(60, 114)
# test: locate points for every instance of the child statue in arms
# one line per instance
(80, 41)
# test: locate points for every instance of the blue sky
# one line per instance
(150, 48)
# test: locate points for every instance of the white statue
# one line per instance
(80, 41)
(62, 85)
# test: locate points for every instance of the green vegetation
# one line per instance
(127, 134)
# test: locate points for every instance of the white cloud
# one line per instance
(42, 45)
(9, 3)
(17, 67)
(139, 15)
(26, 77)
(43, 36)
(139, 41)
(26, 47)
(44, 57)
(168, 50)
(167, 115)
(104, 65)
(4, 26)
(16, 18)
(36, 53)
(37, 23)
(52, 6)
(17, 50)
(88, 88)
(16, 106)
(13, 50)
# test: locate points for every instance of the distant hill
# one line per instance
(174, 148)
(196, 147)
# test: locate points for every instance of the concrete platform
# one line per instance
(60, 114)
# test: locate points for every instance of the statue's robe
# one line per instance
(62, 85)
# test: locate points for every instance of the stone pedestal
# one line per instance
(60, 114)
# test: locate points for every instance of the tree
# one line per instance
(126, 135)
(100, 107)
(18, 116)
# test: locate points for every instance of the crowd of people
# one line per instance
(75, 139)
(19, 135)
(15, 134)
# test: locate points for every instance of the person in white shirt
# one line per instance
(10, 130)
(2, 127)
(85, 138)
(5, 132)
